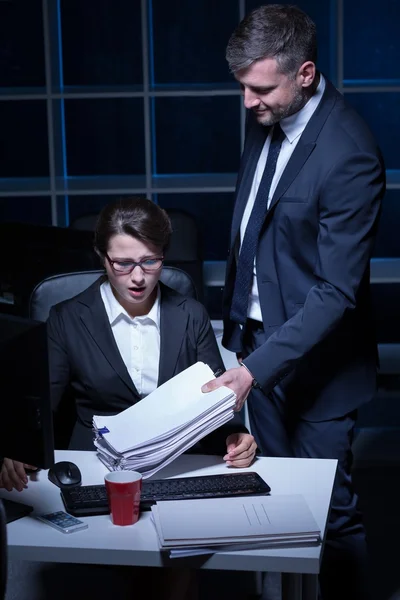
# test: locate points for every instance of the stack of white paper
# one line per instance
(169, 421)
(188, 527)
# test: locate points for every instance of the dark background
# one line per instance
(96, 47)
(102, 98)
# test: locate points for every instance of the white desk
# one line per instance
(103, 543)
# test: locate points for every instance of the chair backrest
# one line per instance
(57, 288)
(85, 222)
(185, 244)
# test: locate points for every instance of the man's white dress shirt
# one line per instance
(292, 127)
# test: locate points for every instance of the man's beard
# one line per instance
(299, 100)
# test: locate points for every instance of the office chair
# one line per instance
(84, 222)
(57, 288)
(185, 249)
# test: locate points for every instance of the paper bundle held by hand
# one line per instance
(231, 524)
(152, 433)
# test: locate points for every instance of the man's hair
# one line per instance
(138, 217)
(283, 32)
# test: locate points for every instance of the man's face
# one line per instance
(270, 94)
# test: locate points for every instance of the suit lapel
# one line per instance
(292, 169)
(173, 326)
(307, 142)
(94, 318)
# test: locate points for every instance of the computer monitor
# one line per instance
(25, 409)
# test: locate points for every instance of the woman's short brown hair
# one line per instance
(139, 217)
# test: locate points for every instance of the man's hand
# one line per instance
(238, 379)
(240, 450)
(13, 475)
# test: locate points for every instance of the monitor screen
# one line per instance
(25, 408)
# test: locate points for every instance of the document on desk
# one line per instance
(234, 523)
(153, 432)
(262, 545)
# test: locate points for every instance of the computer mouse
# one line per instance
(65, 474)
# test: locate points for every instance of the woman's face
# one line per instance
(135, 291)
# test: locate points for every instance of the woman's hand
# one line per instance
(13, 475)
(240, 450)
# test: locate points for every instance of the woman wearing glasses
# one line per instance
(114, 343)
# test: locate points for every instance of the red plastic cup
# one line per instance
(123, 492)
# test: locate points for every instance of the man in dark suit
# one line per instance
(297, 302)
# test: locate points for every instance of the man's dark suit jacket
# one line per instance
(313, 264)
(87, 365)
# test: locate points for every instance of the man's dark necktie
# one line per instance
(244, 272)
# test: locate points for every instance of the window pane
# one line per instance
(35, 210)
(320, 12)
(22, 49)
(382, 113)
(213, 215)
(23, 139)
(104, 136)
(190, 39)
(101, 41)
(371, 33)
(197, 135)
(388, 239)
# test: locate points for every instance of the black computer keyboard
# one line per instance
(92, 499)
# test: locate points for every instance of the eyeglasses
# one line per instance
(148, 265)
